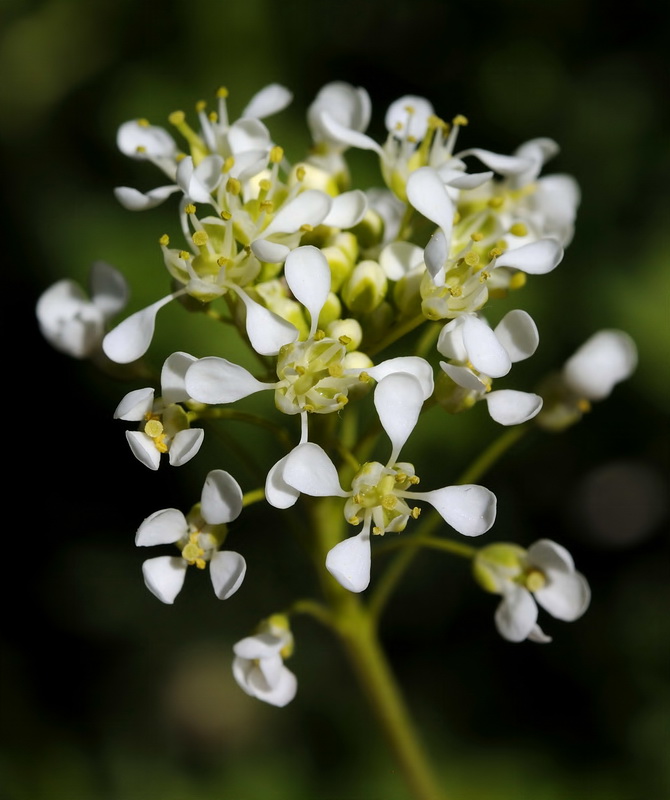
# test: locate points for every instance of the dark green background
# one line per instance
(107, 694)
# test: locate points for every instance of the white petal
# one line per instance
(134, 200)
(130, 339)
(399, 258)
(199, 182)
(536, 258)
(565, 596)
(309, 208)
(162, 527)
(450, 341)
(463, 180)
(408, 116)
(348, 105)
(308, 276)
(281, 693)
(135, 405)
(510, 407)
(463, 376)
(214, 380)
(347, 210)
(278, 493)
(469, 509)
(173, 376)
(267, 331)
(516, 615)
(144, 449)
(227, 570)
(164, 576)
(260, 646)
(271, 252)
(608, 357)
(435, 256)
(343, 135)
(109, 289)
(185, 445)
(248, 165)
(270, 100)
(429, 196)
(546, 554)
(414, 365)
(68, 320)
(503, 165)
(248, 135)
(221, 497)
(349, 562)
(538, 635)
(517, 332)
(141, 141)
(398, 399)
(484, 350)
(309, 470)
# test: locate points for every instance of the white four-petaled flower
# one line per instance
(198, 535)
(380, 495)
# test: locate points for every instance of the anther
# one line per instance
(233, 186)
(472, 259)
(477, 237)
(459, 119)
(276, 154)
(518, 229)
(164, 241)
(189, 208)
(200, 238)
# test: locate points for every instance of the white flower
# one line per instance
(380, 495)
(544, 574)
(165, 424)
(258, 666)
(478, 353)
(198, 536)
(246, 142)
(607, 358)
(75, 324)
(589, 375)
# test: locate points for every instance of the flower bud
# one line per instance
(365, 288)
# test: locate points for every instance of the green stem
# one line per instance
(483, 463)
(355, 626)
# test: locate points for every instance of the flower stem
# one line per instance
(354, 624)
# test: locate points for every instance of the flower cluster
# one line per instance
(351, 302)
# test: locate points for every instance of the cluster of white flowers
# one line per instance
(320, 278)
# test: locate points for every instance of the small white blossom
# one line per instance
(198, 535)
(165, 424)
(478, 353)
(381, 495)
(607, 358)
(74, 323)
(258, 666)
(544, 574)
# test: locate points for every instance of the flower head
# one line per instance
(544, 574)
(258, 666)
(74, 323)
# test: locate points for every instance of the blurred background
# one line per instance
(109, 695)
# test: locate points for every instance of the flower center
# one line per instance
(379, 492)
(312, 377)
(535, 579)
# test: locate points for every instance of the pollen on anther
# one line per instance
(222, 92)
(176, 118)
(201, 105)
(276, 154)
(189, 208)
(164, 241)
(477, 237)
(200, 238)
(184, 254)
(518, 229)
(416, 511)
(459, 119)
(233, 186)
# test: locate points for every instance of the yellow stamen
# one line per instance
(164, 241)
(518, 229)
(276, 154)
(200, 238)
